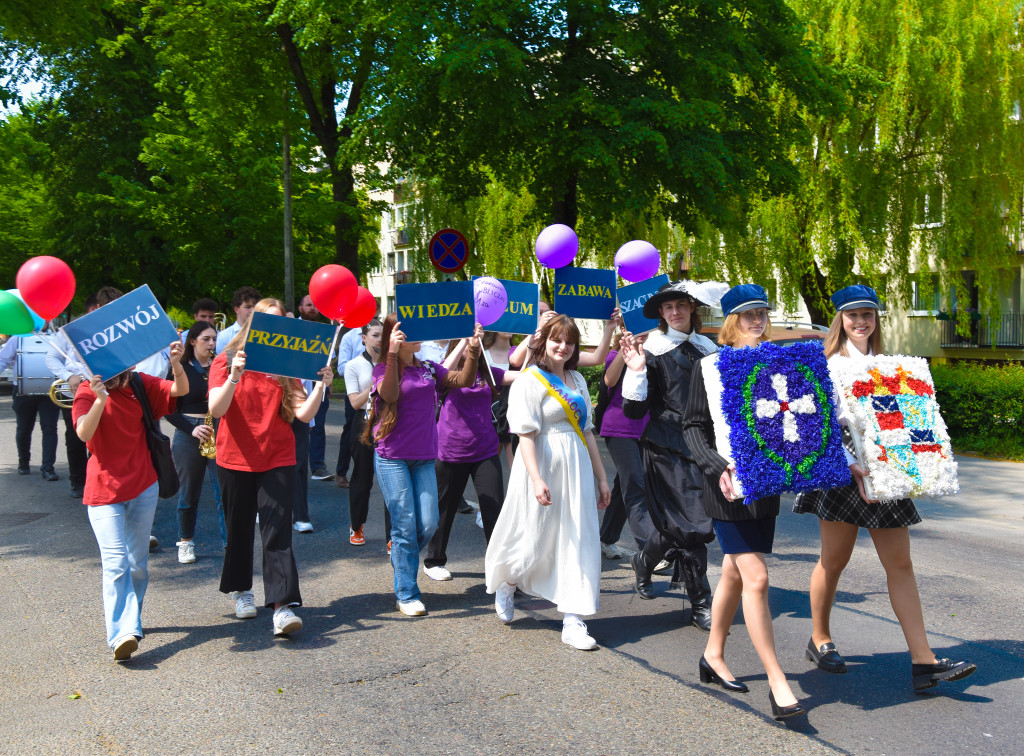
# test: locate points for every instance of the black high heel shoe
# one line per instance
(784, 712)
(708, 675)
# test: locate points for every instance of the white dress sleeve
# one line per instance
(525, 414)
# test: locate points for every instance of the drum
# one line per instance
(31, 376)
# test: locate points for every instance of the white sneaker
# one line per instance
(479, 519)
(285, 621)
(186, 552)
(614, 551)
(505, 602)
(125, 647)
(412, 608)
(301, 526)
(574, 633)
(440, 574)
(153, 543)
(245, 604)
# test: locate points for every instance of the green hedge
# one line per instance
(593, 378)
(983, 407)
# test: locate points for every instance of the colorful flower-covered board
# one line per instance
(774, 418)
(899, 433)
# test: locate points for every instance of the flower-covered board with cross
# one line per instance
(774, 418)
(898, 431)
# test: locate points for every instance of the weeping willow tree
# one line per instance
(502, 225)
(923, 171)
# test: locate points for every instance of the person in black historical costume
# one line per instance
(658, 382)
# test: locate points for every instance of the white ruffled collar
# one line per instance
(659, 343)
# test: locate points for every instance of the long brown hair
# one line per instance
(560, 326)
(836, 339)
(730, 331)
(388, 415)
(289, 393)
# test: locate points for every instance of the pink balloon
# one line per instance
(490, 298)
(333, 290)
(637, 260)
(47, 285)
(557, 246)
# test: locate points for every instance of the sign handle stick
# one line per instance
(54, 343)
(334, 343)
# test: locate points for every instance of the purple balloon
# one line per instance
(637, 260)
(557, 245)
(490, 298)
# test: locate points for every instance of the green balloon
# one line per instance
(15, 319)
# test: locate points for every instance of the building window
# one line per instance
(925, 292)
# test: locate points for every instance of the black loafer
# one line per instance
(826, 657)
(23, 470)
(644, 586)
(48, 473)
(929, 675)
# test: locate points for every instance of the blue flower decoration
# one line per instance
(783, 431)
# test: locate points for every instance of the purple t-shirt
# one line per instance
(465, 429)
(414, 435)
(614, 423)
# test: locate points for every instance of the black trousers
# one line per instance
(674, 489)
(26, 408)
(628, 500)
(270, 494)
(78, 456)
(300, 503)
(347, 440)
(361, 484)
(452, 478)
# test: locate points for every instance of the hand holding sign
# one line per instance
(237, 366)
(397, 339)
(176, 351)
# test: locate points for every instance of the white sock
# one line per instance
(570, 619)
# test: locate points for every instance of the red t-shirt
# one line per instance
(120, 467)
(251, 435)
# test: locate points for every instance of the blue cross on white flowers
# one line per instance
(769, 408)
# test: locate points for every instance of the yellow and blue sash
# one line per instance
(572, 402)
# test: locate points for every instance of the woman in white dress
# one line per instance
(546, 539)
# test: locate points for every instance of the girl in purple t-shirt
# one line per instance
(468, 446)
(403, 430)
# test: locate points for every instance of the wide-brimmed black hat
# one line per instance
(692, 290)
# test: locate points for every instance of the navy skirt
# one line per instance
(745, 536)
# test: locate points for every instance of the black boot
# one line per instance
(699, 592)
(643, 568)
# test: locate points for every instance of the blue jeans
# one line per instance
(410, 492)
(122, 532)
(191, 467)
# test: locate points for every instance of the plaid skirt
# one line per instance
(845, 505)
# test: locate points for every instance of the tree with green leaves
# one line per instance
(923, 170)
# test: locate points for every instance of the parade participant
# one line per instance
(519, 359)
(256, 465)
(191, 432)
(658, 382)
(205, 308)
(745, 531)
(350, 346)
(622, 437)
(27, 407)
(242, 301)
(546, 538)
(404, 431)
(467, 448)
(121, 488)
(317, 431)
(358, 383)
(302, 431)
(855, 335)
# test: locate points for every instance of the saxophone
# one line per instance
(209, 448)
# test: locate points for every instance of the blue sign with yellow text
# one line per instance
(287, 346)
(631, 303)
(122, 333)
(435, 311)
(585, 292)
(522, 310)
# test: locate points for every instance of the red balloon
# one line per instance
(363, 308)
(332, 289)
(47, 285)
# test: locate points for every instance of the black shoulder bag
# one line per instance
(159, 445)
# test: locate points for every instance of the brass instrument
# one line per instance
(61, 394)
(209, 448)
(220, 321)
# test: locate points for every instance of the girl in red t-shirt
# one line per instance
(121, 489)
(256, 469)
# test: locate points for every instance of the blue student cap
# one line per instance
(744, 297)
(855, 296)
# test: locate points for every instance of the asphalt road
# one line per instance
(361, 678)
